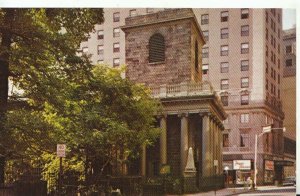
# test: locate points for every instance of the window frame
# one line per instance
(206, 37)
(289, 62)
(245, 99)
(224, 100)
(156, 43)
(224, 18)
(243, 49)
(224, 84)
(116, 34)
(245, 15)
(100, 36)
(204, 70)
(225, 140)
(116, 49)
(224, 35)
(204, 19)
(245, 32)
(224, 52)
(244, 66)
(223, 67)
(244, 118)
(116, 16)
(100, 51)
(205, 54)
(116, 64)
(132, 13)
(245, 82)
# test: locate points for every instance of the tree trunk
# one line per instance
(4, 73)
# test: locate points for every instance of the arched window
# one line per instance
(196, 56)
(156, 48)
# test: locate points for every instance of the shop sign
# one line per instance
(269, 165)
(241, 164)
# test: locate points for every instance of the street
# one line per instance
(273, 190)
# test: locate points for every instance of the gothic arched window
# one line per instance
(156, 48)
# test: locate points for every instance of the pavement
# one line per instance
(242, 190)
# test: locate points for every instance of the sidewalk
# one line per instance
(223, 192)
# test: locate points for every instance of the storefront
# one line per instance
(242, 171)
(269, 172)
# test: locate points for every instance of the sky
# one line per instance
(289, 18)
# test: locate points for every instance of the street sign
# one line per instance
(61, 150)
(267, 129)
(216, 162)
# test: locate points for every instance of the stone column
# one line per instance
(212, 143)
(183, 141)
(205, 145)
(143, 161)
(163, 140)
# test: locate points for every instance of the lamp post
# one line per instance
(226, 172)
(266, 129)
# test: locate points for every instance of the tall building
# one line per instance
(289, 97)
(242, 59)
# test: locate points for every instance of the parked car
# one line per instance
(289, 181)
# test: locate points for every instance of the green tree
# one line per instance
(102, 118)
(37, 44)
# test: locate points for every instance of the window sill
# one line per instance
(157, 63)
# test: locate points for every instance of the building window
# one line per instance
(244, 48)
(278, 94)
(116, 16)
(224, 100)
(244, 140)
(100, 34)
(116, 62)
(278, 78)
(224, 50)
(100, 50)
(100, 61)
(267, 68)
(288, 49)
(267, 34)
(116, 32)
(279, 33)
(224, 16)
(267, 51)
(225, 140)
(267, 84)
(205, 52)
(244, 118)
(196, 56)
(117, 47)
(289, 62)
(244, 13)
(224, 67)
(267, 17)
(156, 48)
(132, 13)
(150, 10)
(245, 82)
(224, 84)
(206, 35)
(85, 50)
(244, 65)
(224, 33)
(205, 69)
(244, 99)
(245, 30)
(204, 19)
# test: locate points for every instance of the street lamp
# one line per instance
(226, 172)
(266, 129)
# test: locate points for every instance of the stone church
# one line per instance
(163, 51)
